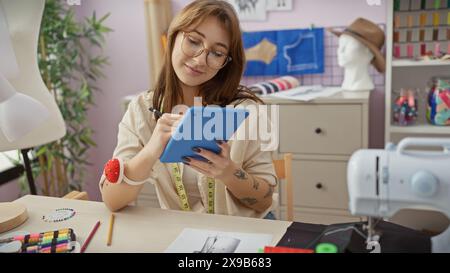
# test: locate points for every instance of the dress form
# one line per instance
(23, 19)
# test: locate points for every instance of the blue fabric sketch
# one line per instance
(299, 51)
(259, 67)
(302, 51)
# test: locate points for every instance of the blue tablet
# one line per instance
(202, 127)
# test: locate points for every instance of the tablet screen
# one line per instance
(201, 127)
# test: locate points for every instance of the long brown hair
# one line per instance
(224, 87)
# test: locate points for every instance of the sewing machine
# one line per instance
(382, 182)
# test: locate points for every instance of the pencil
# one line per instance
(111, 223)
(86, 243)
(156, 112)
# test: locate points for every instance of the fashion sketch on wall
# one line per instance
(250, 10)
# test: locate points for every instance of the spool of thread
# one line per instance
(436, 19)
(423, 4)
(397, 52)
(396, 5)
(423, 49)
(422, 35)
(410, 50)
(396, 36)
(436, 34)
(397, 22)
(437, 4)
(326, 248)
(437, 49)
(410, 21)
(409, 35)
(423, 19)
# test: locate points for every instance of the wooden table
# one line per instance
(136, 229)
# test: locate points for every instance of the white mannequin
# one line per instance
(355, 57)
(23, 18)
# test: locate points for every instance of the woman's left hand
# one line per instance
(218, 166)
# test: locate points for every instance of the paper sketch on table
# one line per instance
(279, 5)
(250, 10)
(305, 61)
(209, 241)
(306, 93)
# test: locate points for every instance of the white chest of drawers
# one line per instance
(322, 135)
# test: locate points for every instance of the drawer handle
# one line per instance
(318, 131)
(319, 186)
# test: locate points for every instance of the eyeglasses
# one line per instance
(193, 47)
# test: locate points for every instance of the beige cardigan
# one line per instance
(135, 131)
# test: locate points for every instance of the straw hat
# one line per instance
(371, 36)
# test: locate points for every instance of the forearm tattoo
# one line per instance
(240, 174)
(269, 192)
(255, 184)
(249, 201)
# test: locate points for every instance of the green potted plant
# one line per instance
(70, 71)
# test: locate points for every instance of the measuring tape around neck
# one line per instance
(182, 192)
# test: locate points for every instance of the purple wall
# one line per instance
(128, 72)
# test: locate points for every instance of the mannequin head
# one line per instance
(352, 52)
(355, 58)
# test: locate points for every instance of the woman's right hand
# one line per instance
(166, 124)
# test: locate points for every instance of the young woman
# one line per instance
(204, 58)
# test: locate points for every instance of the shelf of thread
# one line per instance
(421, 29)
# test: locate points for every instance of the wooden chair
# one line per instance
(283, 170)
(77, 195)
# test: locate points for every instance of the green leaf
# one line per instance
(42, 150)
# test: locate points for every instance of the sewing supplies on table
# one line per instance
(59, 215)
(57, 241)
(89, 238)
(405, 108)
(110, 231)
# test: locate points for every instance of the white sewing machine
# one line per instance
(382, 182)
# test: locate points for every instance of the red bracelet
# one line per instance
(114, 172)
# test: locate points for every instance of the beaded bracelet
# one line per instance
(59, 215)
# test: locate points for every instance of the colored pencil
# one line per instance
(91, 234)
(111, 223)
